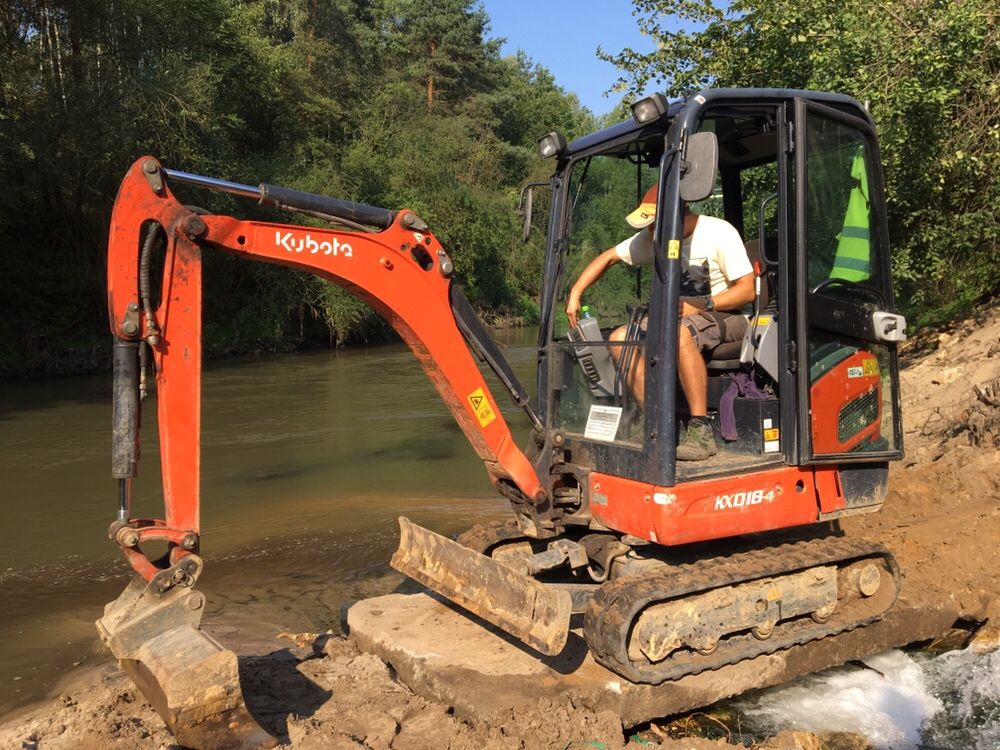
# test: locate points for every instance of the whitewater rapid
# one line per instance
(898, 700)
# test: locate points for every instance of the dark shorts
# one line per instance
(709, 329)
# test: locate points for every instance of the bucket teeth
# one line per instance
(191, 681)
(536, 614)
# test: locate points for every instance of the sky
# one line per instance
(563, 36)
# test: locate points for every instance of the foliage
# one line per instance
(391, 102)
(930, 71)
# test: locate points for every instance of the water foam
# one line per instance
(889, 702)
(969, 685)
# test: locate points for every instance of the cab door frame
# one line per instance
(811, 309)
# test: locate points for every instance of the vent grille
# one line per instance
(857, 414)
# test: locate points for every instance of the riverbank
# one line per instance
(941, 519)
(94, 357)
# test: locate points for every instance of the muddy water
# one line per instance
(307, 459)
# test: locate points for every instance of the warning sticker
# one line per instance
(871, 366)
(763, 320)
(771, 435)
(855, 372)
(481, 406)
(674, 249)
(602, 423)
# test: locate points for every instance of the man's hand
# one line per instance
(572, 309)
(594, 270)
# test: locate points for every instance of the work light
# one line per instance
(551, 144)
(649, 108)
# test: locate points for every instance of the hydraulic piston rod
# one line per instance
(282, 197)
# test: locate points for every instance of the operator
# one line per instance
(717, 291)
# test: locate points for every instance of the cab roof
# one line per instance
(723, 102)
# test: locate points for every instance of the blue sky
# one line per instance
(563, 35)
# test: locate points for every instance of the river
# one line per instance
(307, 460)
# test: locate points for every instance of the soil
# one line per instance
(941, 519)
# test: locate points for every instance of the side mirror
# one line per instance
(524, 207)
(701, 162)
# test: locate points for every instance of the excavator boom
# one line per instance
(403, 273)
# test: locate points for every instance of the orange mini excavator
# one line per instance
(677, 567)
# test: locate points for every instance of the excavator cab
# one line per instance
(814, 380)
(677, 568)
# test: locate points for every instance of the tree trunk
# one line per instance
(430, 77)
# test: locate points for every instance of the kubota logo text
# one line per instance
(743, 499)
(306, 244)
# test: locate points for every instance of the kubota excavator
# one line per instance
(677, 567)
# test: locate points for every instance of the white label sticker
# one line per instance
(768, 423)
(771, 446)
(602, 424)
(855, 372)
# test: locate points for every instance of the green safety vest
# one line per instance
(853, 259)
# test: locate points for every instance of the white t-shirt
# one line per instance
(713, 256)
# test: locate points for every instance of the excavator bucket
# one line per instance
(191, 680)
(536, 614)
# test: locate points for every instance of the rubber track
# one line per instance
(484, 536)
(612, 612)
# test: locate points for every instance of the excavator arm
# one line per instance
(402, 272)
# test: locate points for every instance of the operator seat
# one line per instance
(726, 356)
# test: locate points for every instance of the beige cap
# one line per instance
(645, 213)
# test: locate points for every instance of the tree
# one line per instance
(931, 74)
(387, 102)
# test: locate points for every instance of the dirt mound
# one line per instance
(942, 516)
(342, 699)
(942, 520)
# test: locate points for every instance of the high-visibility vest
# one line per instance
(853, 259)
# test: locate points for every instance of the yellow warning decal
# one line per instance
(763, 320)
(771, 434)
(870, 366)
(481, 407)
(674, 249)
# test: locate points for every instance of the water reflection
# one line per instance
(307, 459)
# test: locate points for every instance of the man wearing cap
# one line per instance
(717, 292)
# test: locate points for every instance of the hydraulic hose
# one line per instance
(153, 233)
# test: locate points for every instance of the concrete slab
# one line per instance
(445, 654)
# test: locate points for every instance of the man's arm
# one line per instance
(594, 270)
(740, 292)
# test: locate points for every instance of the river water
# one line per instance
(307, 460)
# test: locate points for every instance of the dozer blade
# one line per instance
(536, 614)
(191, 680)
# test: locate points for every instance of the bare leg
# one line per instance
(692, 372)
(636, 379)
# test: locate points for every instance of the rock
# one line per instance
(987, 638)
(302, 640)
(951, 640)
(792, 740)
(337, 646)
(369, 667)
(442, 654)
(844, 741)
(423, 730)
(691, 743)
